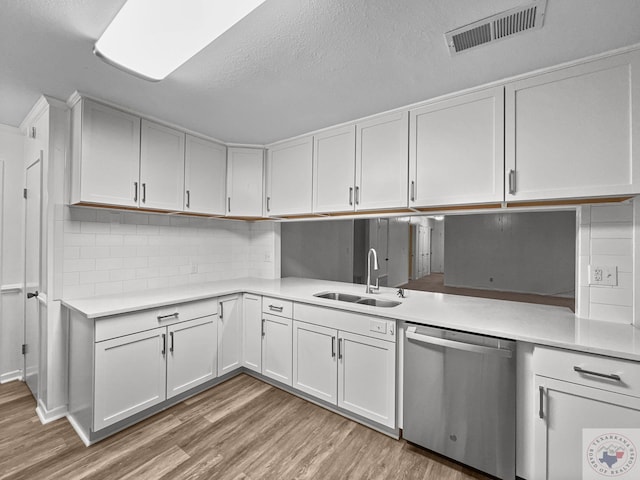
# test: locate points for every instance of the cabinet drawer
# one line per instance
(128, 323)
(562, 364)
(275, 306)
(376, 327)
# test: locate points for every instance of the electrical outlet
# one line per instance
(603, 275)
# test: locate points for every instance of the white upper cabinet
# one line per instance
(106, 155)
(456, 150)
(205, 176)
(334, 160)
(382, 162)
(161, 167)
(244, 182)
(574, 132)
(289, 174)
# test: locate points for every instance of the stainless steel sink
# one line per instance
(378, 302)
(346, 297)
(343, 297)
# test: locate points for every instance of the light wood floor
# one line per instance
(435, 283)
(241, 429)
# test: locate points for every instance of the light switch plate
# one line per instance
(603, 275)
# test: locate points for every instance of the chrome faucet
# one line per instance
(371, 288)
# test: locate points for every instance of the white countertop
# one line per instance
(538, 324)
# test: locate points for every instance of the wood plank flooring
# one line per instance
(241, 429)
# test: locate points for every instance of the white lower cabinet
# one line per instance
(569, 402)
(367, 377)
(191, 360)
(229, 334)
(251, 332)
(355, 371)
(315, 369)
(129, 375)
(276, 348)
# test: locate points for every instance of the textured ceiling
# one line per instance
(293, 66)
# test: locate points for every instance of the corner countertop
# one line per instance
(537, 324)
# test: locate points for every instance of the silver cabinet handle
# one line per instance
(275, 308)
(413, 190)
(357, 195)
(188, 199)
(262, 329)
(333, 347)
(164, 344)
(144, 192)
(228, 204)
(350, 195)
(611, 376)
(268, 204)
(135, 191)
(512, 182)
(541, 404)
(166, 317)
(469, 347)
(221, 310)
(339, 349)
(171, 347)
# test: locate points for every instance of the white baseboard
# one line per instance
(48, 416)
(79, 431)
(11, 376)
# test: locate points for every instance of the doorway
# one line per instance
(32, 264)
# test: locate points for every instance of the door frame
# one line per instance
(38, 162)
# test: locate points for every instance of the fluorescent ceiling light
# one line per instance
(151, 38)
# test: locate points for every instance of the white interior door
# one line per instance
(32, 252)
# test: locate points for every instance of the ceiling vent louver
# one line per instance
(497, 27)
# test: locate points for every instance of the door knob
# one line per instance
(32, 295)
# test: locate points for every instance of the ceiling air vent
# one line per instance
(499, 26)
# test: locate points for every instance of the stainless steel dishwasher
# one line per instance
(459, 397)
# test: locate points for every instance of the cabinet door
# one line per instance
(334, 160)
(456, 150)
(367, 377)
(192, 356)
(244, 182)
(229, 335)
(567, 409)
(252, 332)
(276, 348)
(289, 170)
(129, 375)
(574, 132)
(107, 142)
(161, 167)
(382, 162)
(315, 361)
(205, 176)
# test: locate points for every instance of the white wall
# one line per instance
(11, 314)
(532, 252)
(322, 250)
(107, 252)
(606, 237)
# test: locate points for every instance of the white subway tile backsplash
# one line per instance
(611, 213)
(110, 252)
(611, 296)
(624, 263)
(611, 313)
(612, 230)
(612, 246)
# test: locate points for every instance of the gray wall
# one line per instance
(518, 252)
(322, 250)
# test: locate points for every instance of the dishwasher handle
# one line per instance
(469, 347)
